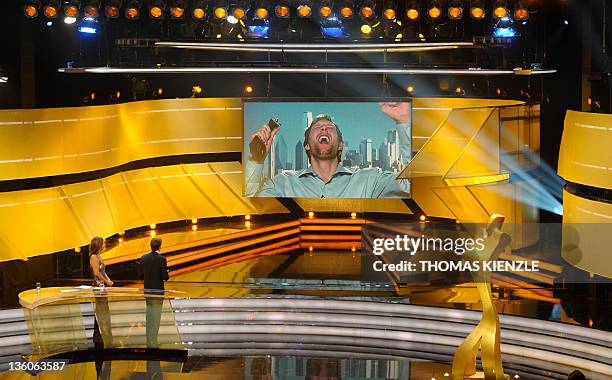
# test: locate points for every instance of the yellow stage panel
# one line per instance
(135, 248)
(462, 170)
(35, 222)
(447, 143)
(48, 142)
(586, 223)
(585, 156)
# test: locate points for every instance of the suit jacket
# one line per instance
(153, 270)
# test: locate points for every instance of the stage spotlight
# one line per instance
(195, 91)
(152, 226)
(459, 91)
(77, 250)
(69, 20)
(304, 9)
(132, 10)
(92, 8)
(247, 224)
(71, 9)
(198, 12)
(112, 8)
(477, 10)
(259, 27)
(503, 28)
(262, 13)
(238, 13)
(248, 89)
(521, 12)
(282, 10)
(325, 9)
(262, 10)
(422, 218)
(500, 9)
(366, 29)
(89, 25)
(177, 9)
(331, 27)
(194, 227)
(311, 214)
(220, 12)
(50, 10)
(157, 9)
(434, 10)
(247, 217)
(30, 9)
(367, 9)
(410, 89)
(455, 10)
(353, 215)
(346, 9)
(389, 11)
(389, 14)
(413, 10)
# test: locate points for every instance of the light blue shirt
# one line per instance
(344, 183)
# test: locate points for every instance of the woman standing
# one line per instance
(102, 322)
(96, 263)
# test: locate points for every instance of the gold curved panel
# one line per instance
(56, 141)
(585, 223)
(585, 156)
(35, 222)
(470, 148)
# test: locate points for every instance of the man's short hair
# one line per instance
(320, 117)
(156, 244)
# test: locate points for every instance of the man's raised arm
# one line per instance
(255, 178)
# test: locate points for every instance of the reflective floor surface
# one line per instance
(250, 368)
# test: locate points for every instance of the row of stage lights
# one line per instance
(411, 10)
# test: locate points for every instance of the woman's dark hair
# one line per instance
(95, 246)
(319, 117)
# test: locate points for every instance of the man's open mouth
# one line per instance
(324, 139)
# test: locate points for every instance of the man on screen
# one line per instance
(326, 177)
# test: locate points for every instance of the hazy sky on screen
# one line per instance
(356, 120)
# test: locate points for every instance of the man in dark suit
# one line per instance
(153, 269)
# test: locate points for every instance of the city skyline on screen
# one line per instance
(369, 135)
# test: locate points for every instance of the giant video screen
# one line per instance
(331, 149)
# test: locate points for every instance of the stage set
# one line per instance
(306, 189)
